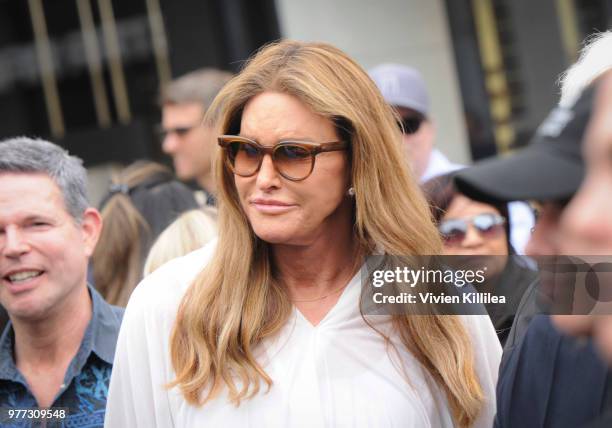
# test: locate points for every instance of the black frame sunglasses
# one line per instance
(410, 124)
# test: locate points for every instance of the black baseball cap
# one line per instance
(550, 168)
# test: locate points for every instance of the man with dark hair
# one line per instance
(57, 350)
(186, 138)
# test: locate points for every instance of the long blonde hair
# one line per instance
(213, 348)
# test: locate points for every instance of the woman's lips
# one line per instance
(268, 206)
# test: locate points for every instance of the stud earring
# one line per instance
(351, 191)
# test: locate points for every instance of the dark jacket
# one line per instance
(551, 380)
(514, 282)
(3, 318)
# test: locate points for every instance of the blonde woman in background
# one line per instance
(263, 328)
(192, 230)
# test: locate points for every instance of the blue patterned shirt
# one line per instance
(85, 386)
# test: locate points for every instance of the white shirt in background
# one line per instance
(438, 164)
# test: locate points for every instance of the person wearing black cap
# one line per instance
(547, 379)
(586, 227)
(586, 222)
(476, 235)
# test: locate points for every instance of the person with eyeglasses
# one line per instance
(475, 235)
(265, 327)
(183, 134)
(404, 88)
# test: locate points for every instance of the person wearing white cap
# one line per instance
(403, 88)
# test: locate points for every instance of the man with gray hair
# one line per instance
(186, 138)
(57, 350)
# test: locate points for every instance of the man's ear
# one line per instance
(91, 226)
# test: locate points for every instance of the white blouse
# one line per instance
(336, 374)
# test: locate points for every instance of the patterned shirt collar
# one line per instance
(100, 338)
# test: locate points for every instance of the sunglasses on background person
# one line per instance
(410, 124)
(294, 160)
(454, 230)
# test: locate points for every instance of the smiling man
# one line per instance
(58, 347)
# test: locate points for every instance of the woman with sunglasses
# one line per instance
(264, 328)
(478, 234)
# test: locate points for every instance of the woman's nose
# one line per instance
(267, 176)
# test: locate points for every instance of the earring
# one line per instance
(351, 191)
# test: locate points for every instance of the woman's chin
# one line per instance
(274, 236)
(280, 237)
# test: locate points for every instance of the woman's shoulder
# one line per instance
(161, 292)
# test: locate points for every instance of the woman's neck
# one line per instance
(312, 271)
